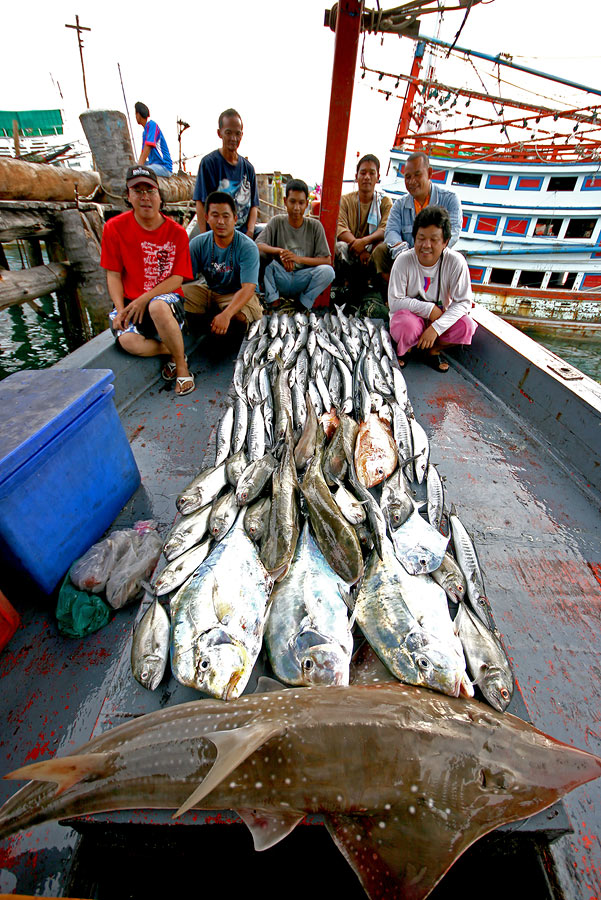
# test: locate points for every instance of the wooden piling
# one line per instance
(82, 249)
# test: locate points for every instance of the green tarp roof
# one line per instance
(32, 122)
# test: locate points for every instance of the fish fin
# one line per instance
(266, 685)
(65, 771)
(233, 747)
(387, 856)
(348, 599)
(268, 828)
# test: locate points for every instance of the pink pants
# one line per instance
(406, 329)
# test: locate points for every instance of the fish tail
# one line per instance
(63, 771)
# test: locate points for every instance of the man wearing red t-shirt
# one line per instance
(146, 258)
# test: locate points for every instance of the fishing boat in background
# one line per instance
(531, 212)
(38, 136)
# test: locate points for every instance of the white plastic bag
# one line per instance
(135, 566)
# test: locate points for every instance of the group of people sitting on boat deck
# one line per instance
(404, 248)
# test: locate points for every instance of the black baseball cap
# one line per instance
(140, 175)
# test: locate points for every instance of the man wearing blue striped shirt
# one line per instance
(155, 152)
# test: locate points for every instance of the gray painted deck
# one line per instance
(519, 452)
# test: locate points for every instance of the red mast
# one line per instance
(405, 120)
(348, 26)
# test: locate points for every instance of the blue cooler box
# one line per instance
(66, 468)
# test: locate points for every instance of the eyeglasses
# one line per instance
(144, 190)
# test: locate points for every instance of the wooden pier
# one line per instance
(55, 215)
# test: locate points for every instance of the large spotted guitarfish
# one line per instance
(405, 779)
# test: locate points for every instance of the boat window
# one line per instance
(562, 280)
(530, 279)
(468, 179)
(501, 276)
(562, 182)
(547, 227)
(516, 226)
(580, 228)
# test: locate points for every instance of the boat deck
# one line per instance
(538, 532)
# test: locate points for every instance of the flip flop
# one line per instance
(402, 362)
(169, 370)
(181, 381)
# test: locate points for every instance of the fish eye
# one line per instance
(423, 662)
(308, 664)
(204, 664)
(423, 562)
(504, 693)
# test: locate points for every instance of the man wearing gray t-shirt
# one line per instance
(300, 266)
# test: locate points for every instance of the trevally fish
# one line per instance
(410, 651)
(417, 545)
(428, 603)
(223, 515)
(396, 501)
(150, 646)
(455, 771)
(235, 466)
(178, 570)
(307, 634)
(486, 658)
(218, 620)
(254, 478)
(352, 509)
(202, 490)
(450, 577)
(186, 533)
(256, 518)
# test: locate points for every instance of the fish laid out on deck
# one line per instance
(455, 770)
(319, 437)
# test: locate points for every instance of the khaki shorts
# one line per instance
(200, 299)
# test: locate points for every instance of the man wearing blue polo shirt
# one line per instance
(155, 152)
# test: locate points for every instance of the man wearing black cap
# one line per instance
(146, 258)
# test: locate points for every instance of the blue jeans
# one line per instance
(305, 284)
(159, 169)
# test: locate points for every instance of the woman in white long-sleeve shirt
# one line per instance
(430, 293)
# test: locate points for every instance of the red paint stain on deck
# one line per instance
(39, 750)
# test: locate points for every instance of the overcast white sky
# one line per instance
(270, 59)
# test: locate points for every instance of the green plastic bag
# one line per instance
(79, 613)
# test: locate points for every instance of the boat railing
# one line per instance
(515, 152)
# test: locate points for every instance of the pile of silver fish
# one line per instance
(405, 779)
(322, 510)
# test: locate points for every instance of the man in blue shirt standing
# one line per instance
(229, 262)
(421, 192)
(225, 170)
(155, 152)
